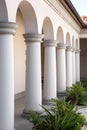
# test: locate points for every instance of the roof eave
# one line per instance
(71, 9)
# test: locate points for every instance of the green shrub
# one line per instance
(62, 116)
(77, 95)
(84, 82)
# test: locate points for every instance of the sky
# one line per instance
(81, 6)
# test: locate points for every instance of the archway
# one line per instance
(60, 35)
(27, 23)
(77, 44)
(48, 29)
(60, 56)
(68, 40)
(3, 11)
(48, 32)
(19, 55)
(72, 41)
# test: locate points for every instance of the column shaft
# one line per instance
(78, 66)
(50, 70)
(7, 31)
(33, 72)
(73, 67)
(69, 67)
(61, 68)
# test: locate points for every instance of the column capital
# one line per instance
(31, 37)
(78, 51)
(50, 43)
(68, 48)
(73, 50)
(61, 46)
(8, 28)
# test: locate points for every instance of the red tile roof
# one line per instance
(84, 19)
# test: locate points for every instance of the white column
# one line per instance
(50, 90)
(61, 68)
(33, 72)
(69, 67)
(7, 30)
(77, 66)
(73, 67)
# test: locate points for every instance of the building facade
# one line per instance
(39, 53)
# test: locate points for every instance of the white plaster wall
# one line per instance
(19, 56)
(42, 10)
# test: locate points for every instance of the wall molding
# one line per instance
(63, 13)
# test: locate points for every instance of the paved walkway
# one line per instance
(83, 110)
(23, 124)
(20, 122)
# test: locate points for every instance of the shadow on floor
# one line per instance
(20, 122)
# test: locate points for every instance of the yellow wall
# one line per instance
(19, 56)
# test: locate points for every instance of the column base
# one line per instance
(78, 82)
(61, 95)
(68, 88)
(25, 113)
(48, 102)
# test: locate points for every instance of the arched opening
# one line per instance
(29, 17)
(19, 55)
(77, 45)
(47, 30)
(68, 40)
(72, 41)
(3, 11)
(27, 23)
(60, 35)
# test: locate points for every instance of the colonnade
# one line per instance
(61, 70)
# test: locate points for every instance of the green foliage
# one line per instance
(84, 82)
(77, 95)
(34, 118)
(62, 116)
